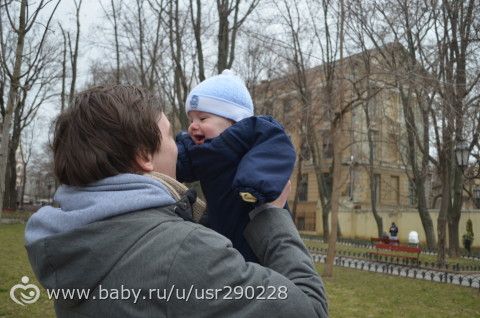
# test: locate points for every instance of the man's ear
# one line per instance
(144, 162)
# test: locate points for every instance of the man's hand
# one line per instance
(282, 199)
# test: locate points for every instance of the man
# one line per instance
(127, 237)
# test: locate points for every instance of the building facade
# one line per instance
(375, 166)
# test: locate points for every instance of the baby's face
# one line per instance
(206, 126)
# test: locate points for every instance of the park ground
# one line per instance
(351, 293)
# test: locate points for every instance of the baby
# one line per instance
(242, 161)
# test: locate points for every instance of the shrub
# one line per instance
(468, 237)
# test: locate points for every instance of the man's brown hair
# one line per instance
(100, 135)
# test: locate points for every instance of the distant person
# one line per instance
(393, 231)
(242, 161)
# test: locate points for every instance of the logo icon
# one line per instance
(29, 293)
(194, 102)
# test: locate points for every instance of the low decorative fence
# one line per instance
(462, 279)
(395, 260)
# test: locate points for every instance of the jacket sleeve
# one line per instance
(185, 171)
(196, 162)
(222, 284)
(267, 157)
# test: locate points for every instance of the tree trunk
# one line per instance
(442, 215)
(418, 174)
(337, 126)
(325, 222)
(299, 177)
(453, 234)
(12, 99)
(420, 185)
(180, 82)
(24, 182)
(74, 57)
(336, 188)
(371, 172)
(197, 30)
(425, 217)
(64, 71)
(453, 216)
(11, 193)
(10, 199)
(117, 45)
(223, 13)
(323, 193)
(373, 196)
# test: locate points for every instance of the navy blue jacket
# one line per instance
(254, 155)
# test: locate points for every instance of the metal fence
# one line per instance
(458, 274)
(463, 279)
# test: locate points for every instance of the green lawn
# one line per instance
(13, 266)
(358, 294)
(351, 293)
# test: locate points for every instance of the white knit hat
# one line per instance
(224, 95)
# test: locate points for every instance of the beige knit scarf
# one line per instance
(177, 190)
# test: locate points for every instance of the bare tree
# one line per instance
(63, 92)
(26, 150)
(176, 28)
(227, 35)
(113, 16)
(404, 25)
(328, 105)
(140, 29)
(337, 124)
(117, 45)
(368, 109)
(433, 70)
(459, 22)
(330, 42)
(74, 51)
(231, 16)
(196, 20)
(37, 87)
(25, 24)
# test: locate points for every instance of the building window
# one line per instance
(376, 182)
(327, 177)
(476, 198)
(327, 146)
(412, 194)
(375, 106)
(328, 150)
(393, 146)
(351, 183)
(376, 145)
(305, 149)
(287, 110)
(301, 223)
(395, 184)
(303, 188)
